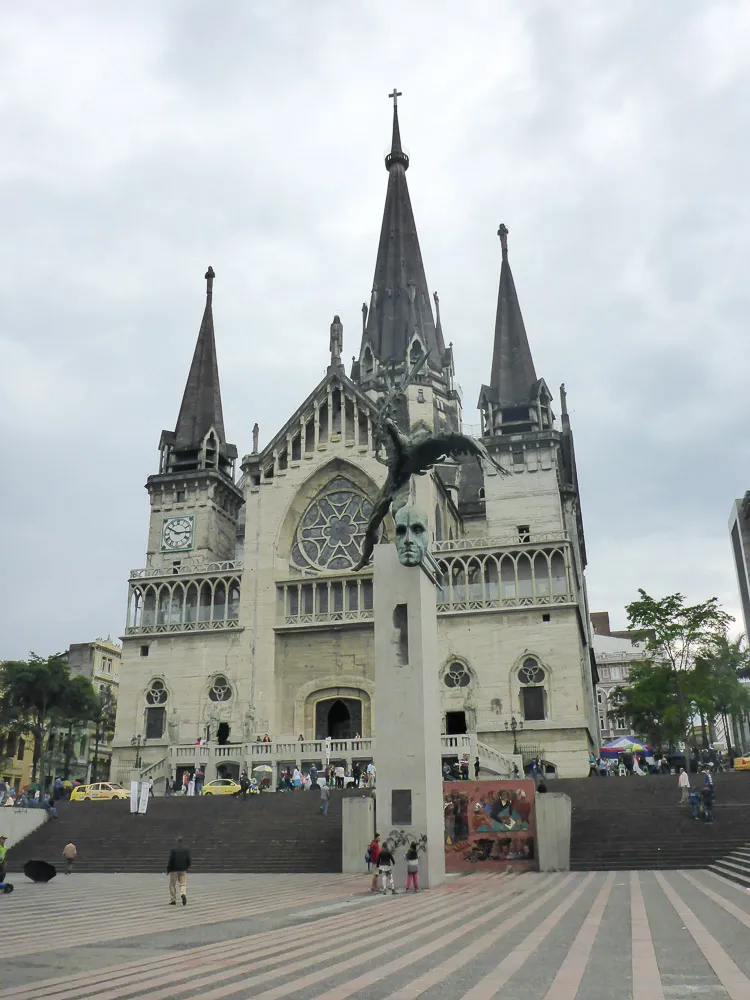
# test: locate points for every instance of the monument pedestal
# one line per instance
(409, 788)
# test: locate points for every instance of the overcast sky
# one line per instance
(142, 142)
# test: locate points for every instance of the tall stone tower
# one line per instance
(194, 500)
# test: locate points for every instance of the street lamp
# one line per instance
(513, 726)
(138, 742)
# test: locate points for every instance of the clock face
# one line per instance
(177, 533)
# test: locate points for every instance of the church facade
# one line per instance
(249, 618)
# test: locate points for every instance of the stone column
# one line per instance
(407, 711)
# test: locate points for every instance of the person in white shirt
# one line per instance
(683, 783)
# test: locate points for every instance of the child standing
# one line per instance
(386, 862)
(412, 867)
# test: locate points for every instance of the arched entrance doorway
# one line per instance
(339, 718)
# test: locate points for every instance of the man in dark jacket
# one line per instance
(177, 869)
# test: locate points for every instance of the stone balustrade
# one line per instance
(281, 753)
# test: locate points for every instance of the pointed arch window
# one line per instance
(532, 678)
(156, 712)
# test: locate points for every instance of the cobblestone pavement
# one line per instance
(604, 936)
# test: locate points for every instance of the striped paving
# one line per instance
(568, 936)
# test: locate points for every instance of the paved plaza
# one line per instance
(646, 936)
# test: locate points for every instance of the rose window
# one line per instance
(330, 532)
(457, 676)
(157, 693)
(531, 673)
(220, 689)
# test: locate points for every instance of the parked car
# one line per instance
(99, 791)
(221, 786)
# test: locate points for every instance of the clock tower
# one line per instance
(194, 500)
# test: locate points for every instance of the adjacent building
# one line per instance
(88, 749)
(616, 652)
(248, 616)
(739, 533)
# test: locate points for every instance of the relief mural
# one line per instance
(489, 824)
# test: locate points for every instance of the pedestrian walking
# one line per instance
(69, 855)
(708, 803)
(3, 852)
(412, 866)
(695, 804)
(168, 785)
(185, 780)
(191, 785)
(150, 786)
(374, 855)
(464, 768)
(177, 869)
(200, 777)
(313, 776)
(386, 862)
(476, 768)
(340, 775)
(325, 795)
(683, 783)
(296, 778)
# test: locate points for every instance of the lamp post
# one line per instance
(513, 725)
(137, 742)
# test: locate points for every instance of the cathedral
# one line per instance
(249, 618)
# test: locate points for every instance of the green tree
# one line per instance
(30, 692)
(76, 708)
(649, 702)
(676, 632)
(104, 723)
(717, 685)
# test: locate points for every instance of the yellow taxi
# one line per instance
(99, 791)
(221, 786)
(742, 763)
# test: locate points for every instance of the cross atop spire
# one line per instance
(396, 155)
(502, 232)
(210, 275)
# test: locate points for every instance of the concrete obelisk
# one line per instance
(409, 796)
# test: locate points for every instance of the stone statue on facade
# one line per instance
(248, 724)
(173, 726)
(336, 343)
(256, 432)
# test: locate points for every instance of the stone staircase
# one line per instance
(273, 832)
(735, 866)
(638, 823)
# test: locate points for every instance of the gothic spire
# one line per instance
(513, 376)
(400, 308)
(201, 401)
(190, 445)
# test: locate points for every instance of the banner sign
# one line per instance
(134, 796)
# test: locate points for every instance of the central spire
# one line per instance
(399, 324)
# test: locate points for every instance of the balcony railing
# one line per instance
(177, 627)
(484, 542)
(282, 752)
(188, 567)
(325, 601)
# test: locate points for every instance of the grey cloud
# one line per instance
(147, 142)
